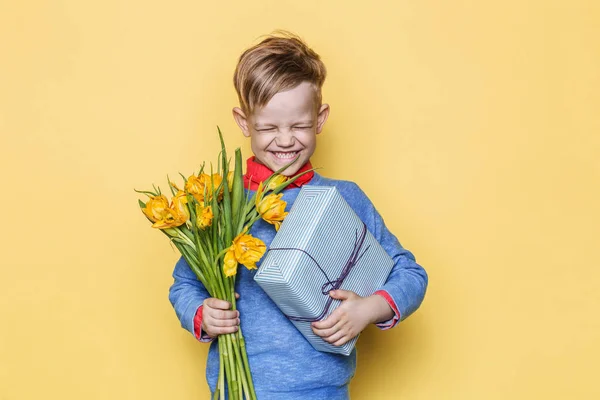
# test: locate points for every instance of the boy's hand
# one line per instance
(218, 318)
(351, 317)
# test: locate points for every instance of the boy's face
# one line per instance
(285, 129)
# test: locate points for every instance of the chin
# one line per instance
(291, 170)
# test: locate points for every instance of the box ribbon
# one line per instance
(335, 284)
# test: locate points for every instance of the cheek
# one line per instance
(255, 144)
(260, 141)
(308, 139)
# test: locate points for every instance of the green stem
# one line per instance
(239, 374)
(226, 361)
(221, 372)
(208, 245)
(242, 376)
(186, 239)
(187, 252)
(192, 261)
(242, 343)
(240, 349)
(211, 274)
(218, 275)
(233, 383)
(187, 232)
(243, 381)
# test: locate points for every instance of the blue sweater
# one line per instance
(284, 365)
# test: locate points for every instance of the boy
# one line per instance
(279, 85)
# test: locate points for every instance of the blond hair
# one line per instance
(280, 62)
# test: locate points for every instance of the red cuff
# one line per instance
(198, 327)
(391, 322)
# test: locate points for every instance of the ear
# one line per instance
(241, 120)
(322, 117)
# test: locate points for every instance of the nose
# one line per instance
(285, 138)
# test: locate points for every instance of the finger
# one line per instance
(222, 322)
(341, 294)
(237, 295)
(336, 336)
(330, 321)
(217, 303)
(220, 330)
(222, 314)
(342, 341)
(324, 333)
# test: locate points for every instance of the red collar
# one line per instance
(256, 173)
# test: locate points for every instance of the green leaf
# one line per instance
(146, 192)
(237, 192)
(201, 169)
(226, 195)
(285, 184)
(191, 203)
(142, 204)
(184, 179)
(171, 186)
(278, 172)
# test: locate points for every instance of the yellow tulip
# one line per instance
(272, 209)
(259, 192)
(171, 219)
(155, 207)
(276, 181)
(158, 211)
(229, 263)
(197, 185)
(248, 250)
(180, 204)
(204, 216)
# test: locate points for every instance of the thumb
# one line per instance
(340, 294)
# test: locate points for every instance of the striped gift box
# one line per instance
(321, 245)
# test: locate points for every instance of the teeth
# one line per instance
(287, 155)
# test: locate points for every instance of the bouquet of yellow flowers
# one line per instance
(208, 221)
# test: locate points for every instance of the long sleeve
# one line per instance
(406, 285)
(186, 294)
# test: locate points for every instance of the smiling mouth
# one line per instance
(285, 155)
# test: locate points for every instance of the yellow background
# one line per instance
(473, 126)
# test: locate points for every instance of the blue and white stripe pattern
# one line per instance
(323, 225)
